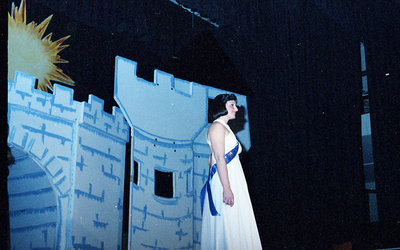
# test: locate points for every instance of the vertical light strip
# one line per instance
(367, 147)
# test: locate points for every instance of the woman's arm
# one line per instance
(216, 135)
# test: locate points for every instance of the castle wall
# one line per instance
(99, 177)
(54, 136)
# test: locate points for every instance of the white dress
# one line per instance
(235, 227)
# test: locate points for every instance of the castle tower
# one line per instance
(168, 120)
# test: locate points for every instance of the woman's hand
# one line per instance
(228, 197)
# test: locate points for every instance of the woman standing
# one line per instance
(228, 219)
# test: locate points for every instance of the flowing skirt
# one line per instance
(236, 227)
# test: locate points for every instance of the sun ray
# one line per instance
(58, 75)
(57, 44)
(48, 84)
(48, 37)
(31, 53)
(13, 10)
(41, 28)
(58, 59)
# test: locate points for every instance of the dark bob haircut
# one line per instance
(217, 106)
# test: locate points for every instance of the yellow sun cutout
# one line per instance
(28, 52)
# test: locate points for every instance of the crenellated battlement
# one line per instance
(93, 114)
(160, 100)
(171, 85)
(61, 104)
(163, 82)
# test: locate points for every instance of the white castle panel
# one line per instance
(68, 177)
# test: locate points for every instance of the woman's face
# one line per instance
(231, 108)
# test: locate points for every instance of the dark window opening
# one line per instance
(163, 184)
(135, 172)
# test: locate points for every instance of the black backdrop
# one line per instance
(299, 64)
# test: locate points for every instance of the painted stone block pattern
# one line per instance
(66, 187)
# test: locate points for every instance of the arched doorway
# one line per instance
(32, 202)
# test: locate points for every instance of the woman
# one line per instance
(228, 218)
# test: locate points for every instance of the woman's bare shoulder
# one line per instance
(216, 128)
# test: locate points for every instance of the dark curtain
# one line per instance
(306, 129)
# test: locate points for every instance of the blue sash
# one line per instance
(228, 157)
